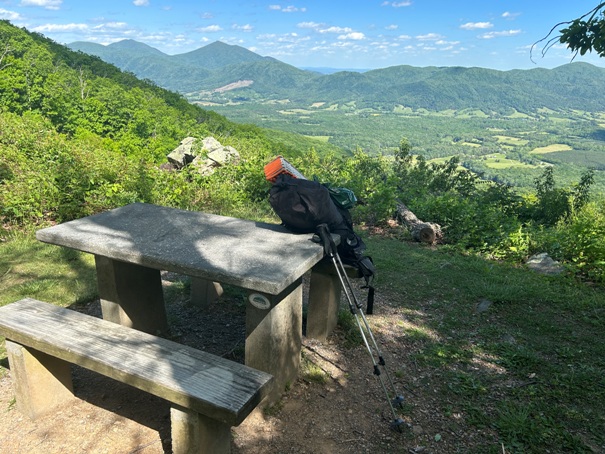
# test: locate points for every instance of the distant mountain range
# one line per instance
(222, 71)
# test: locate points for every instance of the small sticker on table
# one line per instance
(259, 301)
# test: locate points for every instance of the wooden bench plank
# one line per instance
(164, 368)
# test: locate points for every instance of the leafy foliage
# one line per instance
(78, 136)
(586, 33)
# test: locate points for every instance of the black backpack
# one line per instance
(302, 205)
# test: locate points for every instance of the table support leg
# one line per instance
(274, 336)
(131, 295)
(204, 292)
(324, 298)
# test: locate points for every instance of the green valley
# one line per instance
(572, 141)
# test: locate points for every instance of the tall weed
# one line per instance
(580, 241)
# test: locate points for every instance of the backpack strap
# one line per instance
(367, 269)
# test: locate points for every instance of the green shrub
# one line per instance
(580, 241)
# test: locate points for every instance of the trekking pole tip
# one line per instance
(398, 401)
(397, 423)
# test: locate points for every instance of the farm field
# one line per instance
(513, 149)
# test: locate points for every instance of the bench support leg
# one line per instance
(325, 290)
(41, 382)
(193, 433)
(274, 336)
(131, 295)
(204, 292)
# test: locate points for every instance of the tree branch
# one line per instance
(559, 38)
(7, 49)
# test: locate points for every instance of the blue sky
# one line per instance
(360, 34)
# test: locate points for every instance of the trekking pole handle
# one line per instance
(326, 239)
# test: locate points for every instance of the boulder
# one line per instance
(204, 166)
(205, 155)
(183, 154)
(543, 263)
(210, 144)
(224, 155)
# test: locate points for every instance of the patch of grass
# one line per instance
(465, 384)
(417, 334)
(320, 138)
(442, 354)
(349, 328)
(551, 148)
(312, 372)
(273, 410)
(530, 367)
(511, 140)
(29, 268)
(500, 161)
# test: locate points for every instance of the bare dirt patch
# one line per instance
(336, 406)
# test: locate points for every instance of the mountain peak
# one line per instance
(217, 55)
(132, 45)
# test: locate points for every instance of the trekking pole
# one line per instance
(398, 400)
(355, 308)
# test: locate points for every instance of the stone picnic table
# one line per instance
(131, 244)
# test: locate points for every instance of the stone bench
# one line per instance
(208, 394)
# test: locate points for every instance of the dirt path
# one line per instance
(335, 407)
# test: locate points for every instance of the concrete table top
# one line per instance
(252, 255)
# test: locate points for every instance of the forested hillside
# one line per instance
(79, 135)
(571, 86)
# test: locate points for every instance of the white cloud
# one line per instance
(60, 28)
(9, 15)
(509, 15)
(293, 9)
(287, 9)
(313, 25)
(111, 25)
(210, 29)
(356, 36)
(336, 30)
(397, 4)
(47, 4)
(140, 2)
(243, 28)
(442, 42)
(476, 25)
(392, 27)
(491, 35)
(429, 37)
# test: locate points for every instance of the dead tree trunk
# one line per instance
(424, 232)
